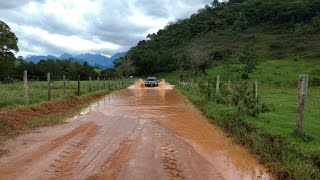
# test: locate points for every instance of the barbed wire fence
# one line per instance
(301, 97)
(27, 89)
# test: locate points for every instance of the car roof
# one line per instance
(151, 78)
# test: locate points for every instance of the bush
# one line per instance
(8, 80)
(266, 108)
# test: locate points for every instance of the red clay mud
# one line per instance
(15, 119)
(137, 133)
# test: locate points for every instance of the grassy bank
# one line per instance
(270, 135)
(21, 120)
(286, 156)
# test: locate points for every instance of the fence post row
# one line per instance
(26, 88)
(49, 86)
(301, 98)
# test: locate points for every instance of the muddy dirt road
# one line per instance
(136, 133)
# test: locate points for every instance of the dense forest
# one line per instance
(243, 31)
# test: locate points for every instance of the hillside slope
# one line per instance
(221, 31)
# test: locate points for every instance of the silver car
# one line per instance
(151, 82)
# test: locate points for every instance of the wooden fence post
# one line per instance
(255, 90)
(230, 92)
(49, 86)
(301, 97)
(26, 88)
(109, 85)
(191, 83)
(98, 80)
(90, 85)
(218, 84)
(64, 85)
(78, 85)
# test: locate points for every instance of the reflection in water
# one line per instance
(168, 107)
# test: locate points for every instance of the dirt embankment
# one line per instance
(15, 121)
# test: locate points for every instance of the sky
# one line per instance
(55, 27)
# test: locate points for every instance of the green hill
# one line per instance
(219, 32)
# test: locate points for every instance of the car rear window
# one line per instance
(151, 79)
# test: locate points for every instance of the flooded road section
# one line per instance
(136, 133)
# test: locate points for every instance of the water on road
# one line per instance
(136, 133)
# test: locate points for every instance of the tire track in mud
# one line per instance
(179, 159)
(67, 160)
(113, 164)
(27, 160)
(167, 153)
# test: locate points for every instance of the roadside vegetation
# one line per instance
(265, 124)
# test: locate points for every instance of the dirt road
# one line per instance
(137, 133)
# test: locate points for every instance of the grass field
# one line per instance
(278, 87)
(12, 95)
(270, 135)
(278, 72)
(281, 120)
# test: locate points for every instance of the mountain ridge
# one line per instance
(98, 60)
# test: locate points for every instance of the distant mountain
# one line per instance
(95, 59)
(66, 56)
(118, 55)
(36, 59)
(98, 60)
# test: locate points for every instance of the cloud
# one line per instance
(12, 4)
(57, 26)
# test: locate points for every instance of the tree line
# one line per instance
(11, 68)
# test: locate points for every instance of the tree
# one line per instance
(215, 3)
(125, 66)
(249, 58)
(199, 59)
(8, 41)
(181, 62)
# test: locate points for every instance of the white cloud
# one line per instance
(57, 26)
